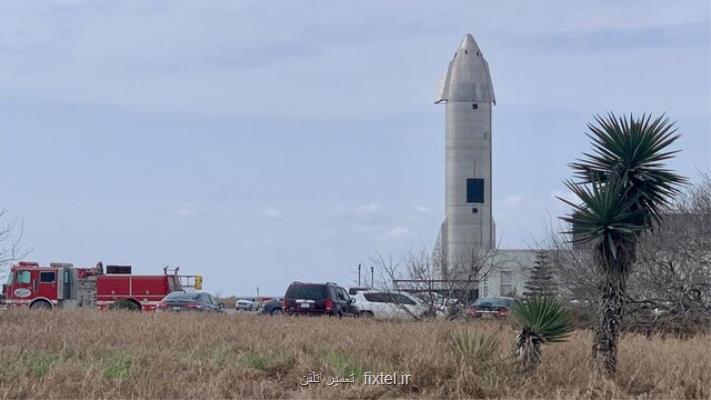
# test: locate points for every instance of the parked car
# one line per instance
(436, 300)
(352, 291)
(390, 305)
(318, 299)
(247, 304)
(189, 301)
(273, 306)
(491, 307)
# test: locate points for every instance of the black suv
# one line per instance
(318, 299)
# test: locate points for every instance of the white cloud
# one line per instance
(395, 233)
(272, 213)
(366, 210)
(185, 212)
(423, 210)
(365, 217)
(513, 200)
(367, 214)
(218, 53)
(358, 211)
(328, 233)
(260, 243)
(360, 228)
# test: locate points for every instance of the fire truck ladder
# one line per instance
(193, 282)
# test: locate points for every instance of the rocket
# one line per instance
(468, 96)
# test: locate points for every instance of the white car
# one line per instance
(247, 305)
(389, 305)
(437, 300)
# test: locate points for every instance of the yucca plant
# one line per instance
(477, 348)
(543, 320)
(623, 189)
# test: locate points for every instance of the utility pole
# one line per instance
(259, 300)
(358, 275)
(372, 284)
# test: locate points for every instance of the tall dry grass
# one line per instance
(86, 354)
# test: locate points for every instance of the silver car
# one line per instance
(247, 304)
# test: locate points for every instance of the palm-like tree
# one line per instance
(543, 320)
(623, 189)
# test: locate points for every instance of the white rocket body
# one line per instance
(468, 95)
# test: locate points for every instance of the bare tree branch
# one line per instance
(441, 287)
(670, 283)
(11, 232)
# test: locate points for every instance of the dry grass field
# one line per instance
(86, 354)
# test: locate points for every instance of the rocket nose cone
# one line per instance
(469, 44)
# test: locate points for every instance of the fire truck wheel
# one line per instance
(128, 305)
(40, 305)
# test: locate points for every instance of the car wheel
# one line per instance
(276, 311)
(367, 314)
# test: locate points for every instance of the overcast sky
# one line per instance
(263, 142)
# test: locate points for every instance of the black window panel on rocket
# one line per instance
(475, 190)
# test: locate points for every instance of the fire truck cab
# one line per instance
(61, 285)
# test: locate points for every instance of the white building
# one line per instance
(508, 275)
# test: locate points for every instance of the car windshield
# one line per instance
(182, 296)
(306, 292)
(429, 297)
(493, 302)
(395, 298)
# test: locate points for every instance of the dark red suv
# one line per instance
(318, 299)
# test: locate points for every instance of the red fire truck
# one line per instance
(65, 286)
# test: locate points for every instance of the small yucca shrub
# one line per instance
(543, 320)
(477, 348)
